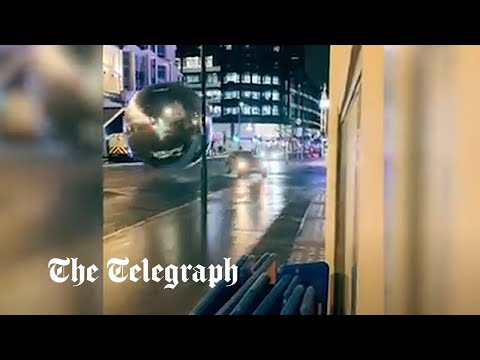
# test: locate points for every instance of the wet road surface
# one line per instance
(134, 192)
(250, 215)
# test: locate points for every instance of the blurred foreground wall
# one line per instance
(354, 231)
(50, 175)
(403, 230)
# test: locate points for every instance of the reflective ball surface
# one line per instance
(164, 126)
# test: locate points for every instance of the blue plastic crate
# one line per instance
(312, 274)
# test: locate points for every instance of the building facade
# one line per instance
(145, 65)
(254, 91)
(128, 69)
(112, 74)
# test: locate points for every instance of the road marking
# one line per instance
(156, 216)
(114, 165)
(139, 163)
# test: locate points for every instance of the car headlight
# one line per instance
(242, 165)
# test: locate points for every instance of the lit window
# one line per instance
(231, 77)
(275, 80)
(192, 79)
(230, 110)
(255, 110)
(216, 110)
(212, 78)
(199, 93)
(214, 94)
(267, 95)
(275, 95)
(192, 62)
(247, 94)
(208, 61)
(246, 78)
(266, 110)
(267, 79)
(275, 110)
(228, 47)
(256, 95)
(276, 48)
(256, 79)
(246, 110)
(231, 95)
(247, 46)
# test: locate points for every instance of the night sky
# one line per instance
(317, 63)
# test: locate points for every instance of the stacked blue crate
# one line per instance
(263, 289)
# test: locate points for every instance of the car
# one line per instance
(241, 163)
(272, 154)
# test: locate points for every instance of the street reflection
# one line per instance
(238, 217)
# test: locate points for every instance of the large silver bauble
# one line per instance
(164, 126)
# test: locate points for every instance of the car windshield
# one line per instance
(243, 154)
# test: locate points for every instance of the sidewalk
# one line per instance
(310, 242)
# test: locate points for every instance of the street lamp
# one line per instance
(324, 107)
(324, 101)
(204, 174)
(239, 132)
(324, 104)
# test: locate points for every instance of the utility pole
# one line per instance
(324, 106)
(240, 120)
(289, 118)
(204, 169)
(302, 80)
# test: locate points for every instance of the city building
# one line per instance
(145, 65)
(324, 106)
(113, 84)
(112, 75)
(255, 92)
(130, 68)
